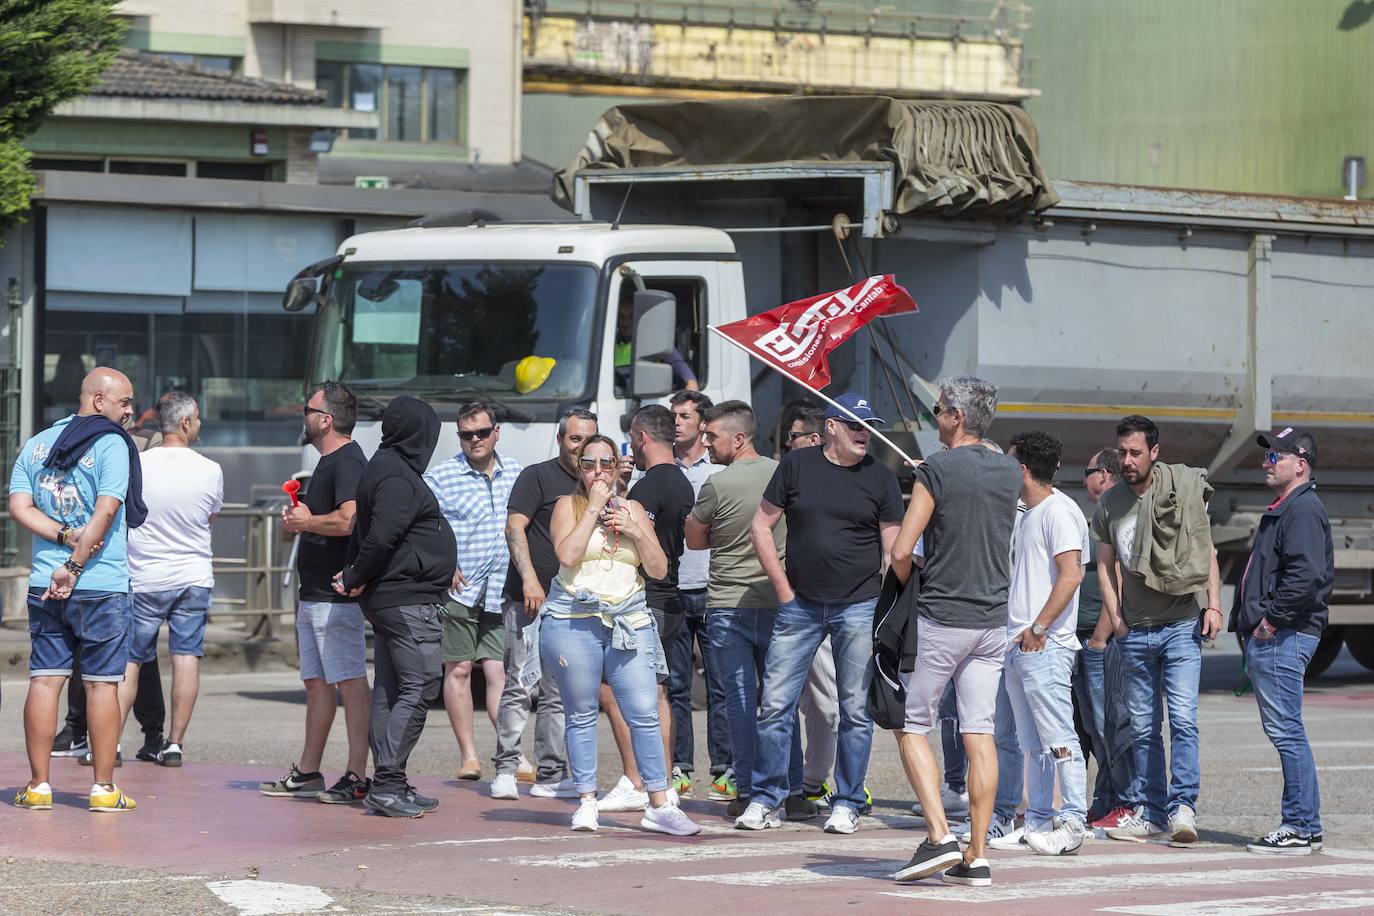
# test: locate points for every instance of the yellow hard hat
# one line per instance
(532, 372)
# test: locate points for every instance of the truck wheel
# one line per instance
(1327, 650)
(1360, 641)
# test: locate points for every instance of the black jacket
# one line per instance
(76, 439)
(1291, 568)
(402, 550)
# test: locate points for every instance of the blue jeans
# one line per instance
(1162, 667)
(956, 760)
(94, 627)
(1097, 685)
(1040, 687)
(739, 643)
(185, 611)
(1011, 760)
(679, 649)
(800, 627)
(579, 653)
(1276, 668)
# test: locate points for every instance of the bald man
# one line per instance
(69, 488)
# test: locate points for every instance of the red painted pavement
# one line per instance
(205, 819)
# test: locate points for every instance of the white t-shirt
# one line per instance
(1053, 527)
(171, 549)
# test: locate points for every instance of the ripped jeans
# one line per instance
(1040, 688)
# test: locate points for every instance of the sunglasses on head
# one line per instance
(467, 435)
(591, 463)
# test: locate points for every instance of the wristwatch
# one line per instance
(1038, 630)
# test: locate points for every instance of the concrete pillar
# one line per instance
(302, 166)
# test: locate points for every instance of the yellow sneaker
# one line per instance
(37, 798)
(110, 799)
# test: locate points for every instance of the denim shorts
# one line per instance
(332, 641)
(184, 609)
(98, 625)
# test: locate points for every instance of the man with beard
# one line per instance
(401, 560)
(329, 629)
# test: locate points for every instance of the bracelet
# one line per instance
(73, 567)
(62, 534)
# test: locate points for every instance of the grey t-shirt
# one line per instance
(968, 541)
(726, 506)
(1115, 523)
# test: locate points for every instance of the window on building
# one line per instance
(218, 63)
(416, 104)
(147, 167)
(66, 165)
(238, 171)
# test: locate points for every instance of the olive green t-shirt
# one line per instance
(1115, 523)
(726, 505)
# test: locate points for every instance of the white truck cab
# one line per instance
(532, 318)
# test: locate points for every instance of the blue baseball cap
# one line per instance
(857, 405)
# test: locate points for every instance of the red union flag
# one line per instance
(797, 338)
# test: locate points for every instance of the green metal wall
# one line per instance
(553, 126)
(1240, 95)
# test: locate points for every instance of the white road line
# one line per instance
(708, 852)
(1320, 768)
(29, 887)
(264, 898)
(830, 871)
(1316, 902)
(1065, 886)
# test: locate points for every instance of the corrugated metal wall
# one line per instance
(1241, 95)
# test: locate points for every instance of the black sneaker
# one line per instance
(736, 806)
(973, 874)
(930, 858)
(1283, 842)
(420, 801)
(799, 808)
(64, 740)
(350, 788)
(1316, 842)
(294, 784)
(169, 755)
(392, 804)
(86, 760)
(151, 745)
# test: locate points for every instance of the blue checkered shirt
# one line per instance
(475, 507)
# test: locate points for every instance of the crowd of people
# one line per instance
(1029, 634)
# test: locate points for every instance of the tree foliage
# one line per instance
(50, 51)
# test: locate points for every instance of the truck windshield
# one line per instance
(459, 330)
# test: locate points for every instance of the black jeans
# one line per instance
(149, 708)
(408, 669)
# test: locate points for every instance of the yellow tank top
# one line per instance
(611, 575)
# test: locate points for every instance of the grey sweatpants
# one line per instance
(408, 671)
(514, 711)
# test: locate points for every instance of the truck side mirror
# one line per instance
(299, 294)
(655, 316)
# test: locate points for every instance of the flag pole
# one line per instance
(824, 397)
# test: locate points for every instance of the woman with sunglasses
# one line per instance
(595, 624)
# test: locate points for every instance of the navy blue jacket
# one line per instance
(1291, 569)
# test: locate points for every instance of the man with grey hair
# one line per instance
(964, 505)
(169, 562)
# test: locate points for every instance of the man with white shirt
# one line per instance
(1048, 548)
(169, 562)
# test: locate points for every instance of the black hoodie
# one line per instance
(402, 550)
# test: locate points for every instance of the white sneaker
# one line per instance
(503, 786)
(955, 803)
(996, 830)
(1135, 828)
(1063, 840)
(843, 819)
(673, 798)
(624, 797)
(759, 816)
(668, 819)
(1014, 839)
(561, 789)
(585, 818)
(1183, 825)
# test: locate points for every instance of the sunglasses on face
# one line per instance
(467, 435)
(793, 435)
(1088, 472)
(853, 426)
(308, 410)
(591, 463)
(1274, 457)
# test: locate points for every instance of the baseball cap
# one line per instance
(857, 405)
(1292, 440)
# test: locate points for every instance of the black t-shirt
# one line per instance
(667, 496)
(334, 483)
(834, 543)
(533, 495)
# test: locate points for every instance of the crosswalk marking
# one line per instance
(263, 898)
(829, 871)
(1317, 901)
(1066, 886)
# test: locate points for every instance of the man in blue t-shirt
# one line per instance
(78, 598)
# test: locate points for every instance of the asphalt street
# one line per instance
(204, 841)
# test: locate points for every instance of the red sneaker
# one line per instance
(1112, 818)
